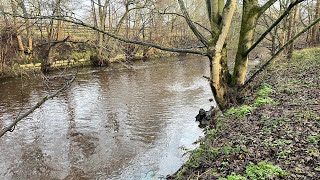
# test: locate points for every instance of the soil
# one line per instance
(279, 123)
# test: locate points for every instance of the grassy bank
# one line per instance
(275, 134)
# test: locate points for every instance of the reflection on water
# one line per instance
(111, 124)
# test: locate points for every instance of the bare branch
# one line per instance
(191, 25)
(180, 15)
(36, 106)
(266, 6)
(284, 14)
(226, 23)
(79, 22)
(278, 52)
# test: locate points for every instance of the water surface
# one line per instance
(110, 124)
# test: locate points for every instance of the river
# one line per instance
(112, 123)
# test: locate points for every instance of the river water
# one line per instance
(110, 124)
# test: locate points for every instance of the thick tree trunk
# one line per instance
(220, 79)
(102, 17)
(248, 25)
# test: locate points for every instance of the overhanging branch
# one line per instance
(36, 106)
(78, 22)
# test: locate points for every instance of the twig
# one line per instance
(207, 78)
(36, 106)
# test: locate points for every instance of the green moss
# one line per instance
(313, 153)
(284, 154)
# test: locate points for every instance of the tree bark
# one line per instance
(28, 27)
(59, 30)
(291, 29)
(250, 16)
(102, 17)
(218, 66)
(315, 35)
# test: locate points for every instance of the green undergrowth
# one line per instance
(262, 99)
(274, 134)
(260, 171)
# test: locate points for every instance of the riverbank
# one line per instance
(84, 61)
(276, 132)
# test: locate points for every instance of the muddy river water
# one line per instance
(110, 124)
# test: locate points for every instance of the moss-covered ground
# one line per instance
(274, 134)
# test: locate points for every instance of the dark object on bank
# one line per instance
(207, 118)
(46, 68)
(98, 61)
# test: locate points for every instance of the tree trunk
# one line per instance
(315, 35)
(59, 30)
(102, 17)
(28, 28)
(291, 29)
(248, 25)
(20, 43)
(19, 40)
(220, 79)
